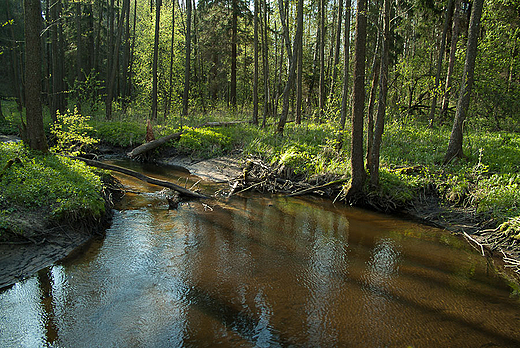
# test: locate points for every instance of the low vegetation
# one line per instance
(40, 191)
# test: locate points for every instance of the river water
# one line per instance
(261, 271)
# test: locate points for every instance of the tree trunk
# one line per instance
(321, 100)
(168, 100)
(255, 77)
(336, 49)
(34, 117)
(185, 97)
(346, 63)
(376, 69)
(155, 58)
(455, 145)
(114, 65)
(125, 90)
(234, 30)
(452, 59)
(17, 79)
(265, 51)
(442, 48)
(299, 81)
(79, 53)
(358, 106)
(55, 71)
(292, 68)
(381, 108)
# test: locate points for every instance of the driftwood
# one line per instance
(311, 189)
(183, 191)
(176, 136)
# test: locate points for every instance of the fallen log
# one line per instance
(176, 136)
(183, 191)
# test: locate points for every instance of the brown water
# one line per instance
(262, 271)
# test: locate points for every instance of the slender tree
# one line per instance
(185, 97)
(255, 77)
(442, 48)
(234, 31)
(373, 162)
(32, 21)
(114, 66)
(16, 69)
(321, 97)
(452, 59)
(346, 63)
(168, 100)
(358, 105)
(336, 48)
(292, 68)
(158, 4)
(455, 145)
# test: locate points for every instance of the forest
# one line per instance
(399, 97)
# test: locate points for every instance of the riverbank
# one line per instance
(49, 206)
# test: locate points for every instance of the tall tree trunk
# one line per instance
(55, 71)
(255, 77)
(126, 62)
(292, 68)
(299, 81)
(346, 63)
(79, 53)
(442, 48)
(265, 60)
(32, 23)
(336, 49)
(358, 106)
(16, 68)
(451, 63)
(321, 100)
(132, 50)
(376, 69)
(185, 98)
(114, 65)
(158, 4)
(168, 100)
(97, 44)
(234, 30)
(373, 166)
(455, 145)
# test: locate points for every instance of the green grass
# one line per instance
(50, 186)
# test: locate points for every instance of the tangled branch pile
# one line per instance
(261, 177)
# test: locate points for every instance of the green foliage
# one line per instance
(71, 133)
(206, 142)
(119, 133)
(511, 228)
(54, 186)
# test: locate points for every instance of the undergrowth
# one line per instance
(45, 186)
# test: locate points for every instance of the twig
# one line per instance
(250, 187)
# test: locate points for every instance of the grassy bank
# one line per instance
(39, 192)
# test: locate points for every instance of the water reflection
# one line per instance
(382, 268)
(262, 271)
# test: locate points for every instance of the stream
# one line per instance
(261, 271)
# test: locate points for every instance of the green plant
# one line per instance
(71, 133)
(52, 187)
